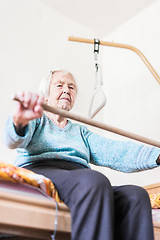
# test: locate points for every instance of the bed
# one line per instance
(29, 212)
(30, 207)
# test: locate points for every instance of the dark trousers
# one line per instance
(100, 211)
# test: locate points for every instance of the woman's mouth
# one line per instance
(65, 99)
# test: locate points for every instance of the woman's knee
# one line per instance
(136, 194)
(94, 180)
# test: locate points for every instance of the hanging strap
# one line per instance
(98, 83)
(96, 47)
(98, 72)
(96, 52)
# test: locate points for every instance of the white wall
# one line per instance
(133, 93)
(33, 38)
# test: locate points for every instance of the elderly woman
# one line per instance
(52, 145)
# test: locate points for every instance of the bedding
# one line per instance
(155, 200)
(9, 172)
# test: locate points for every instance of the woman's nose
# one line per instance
(65, 89)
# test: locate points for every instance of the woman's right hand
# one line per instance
(29, 108)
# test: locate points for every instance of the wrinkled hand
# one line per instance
(29, 108)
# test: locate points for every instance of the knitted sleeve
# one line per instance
(12, 139)
(125, 156)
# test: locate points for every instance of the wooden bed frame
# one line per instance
(27, 211)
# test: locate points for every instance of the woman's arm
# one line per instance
(21, 124)
(29, 108)
(125, 156)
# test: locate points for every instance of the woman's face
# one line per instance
(63, 91)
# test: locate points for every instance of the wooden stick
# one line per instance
(120, 45)
(97, 124)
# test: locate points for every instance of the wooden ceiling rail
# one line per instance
(120, 45)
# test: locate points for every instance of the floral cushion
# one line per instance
(9, 172)
(155, 200)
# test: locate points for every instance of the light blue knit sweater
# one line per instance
(44, 140)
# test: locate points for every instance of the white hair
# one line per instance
(46, 81)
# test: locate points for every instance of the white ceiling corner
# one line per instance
(102, 16)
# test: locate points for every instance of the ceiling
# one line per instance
(102, 16)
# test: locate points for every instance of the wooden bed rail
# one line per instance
(120, 45)
(97, 124)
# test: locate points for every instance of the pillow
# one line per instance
(155, 200)
(9, 172)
